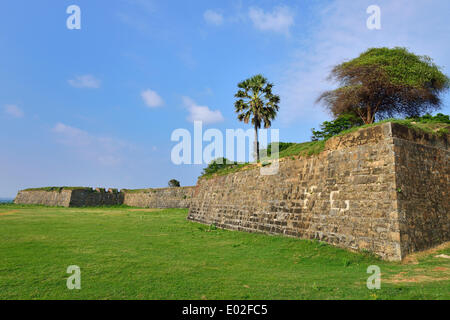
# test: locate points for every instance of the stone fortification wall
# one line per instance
(365, 191)
(88, 197)
(95, 198)
(423, 188)
(159, 198)
(41, 197)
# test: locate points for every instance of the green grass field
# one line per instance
(127, 253)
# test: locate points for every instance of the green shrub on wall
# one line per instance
(220, 164)
(329, 129)
(428, 118)
(174, 183)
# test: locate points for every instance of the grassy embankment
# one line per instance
(128, 253)
(307, 149)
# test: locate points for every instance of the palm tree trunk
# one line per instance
(256, 145)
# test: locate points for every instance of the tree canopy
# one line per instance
(384, 82)
(174, 183)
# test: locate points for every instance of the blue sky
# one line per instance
(97, 106)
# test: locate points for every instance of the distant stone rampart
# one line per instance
(159, 198)
(43, 197)
(88, 197)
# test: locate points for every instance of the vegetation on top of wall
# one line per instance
(304, 149)
(421, 124)
(296, 149)
(222, 166)
(148, 190)
(281, 147)
(428, 118)
(174, 183)
(58, 189)
(229, 169)
(438, 125)
(329, 129)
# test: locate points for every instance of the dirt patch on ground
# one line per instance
(415, 279)
(144, 210)
(7, 213)
(421, 273)
(414, 257)
(435, 274)
(440, 269)
(444, 256)
(128, 211)
(113, 213)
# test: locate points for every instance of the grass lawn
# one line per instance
(127, 253)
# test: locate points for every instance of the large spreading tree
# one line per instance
(256, 103)
(384, 82)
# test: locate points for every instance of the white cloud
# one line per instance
(279, 20)
(213, 17)
(71, 136)
(103, 150)
(152, 98)
(201, 113)
(85, 81)
(341, 34)
(13, 111)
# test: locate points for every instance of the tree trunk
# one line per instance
(256, 145)
(370, 118)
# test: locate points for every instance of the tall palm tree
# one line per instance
(256, 101)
